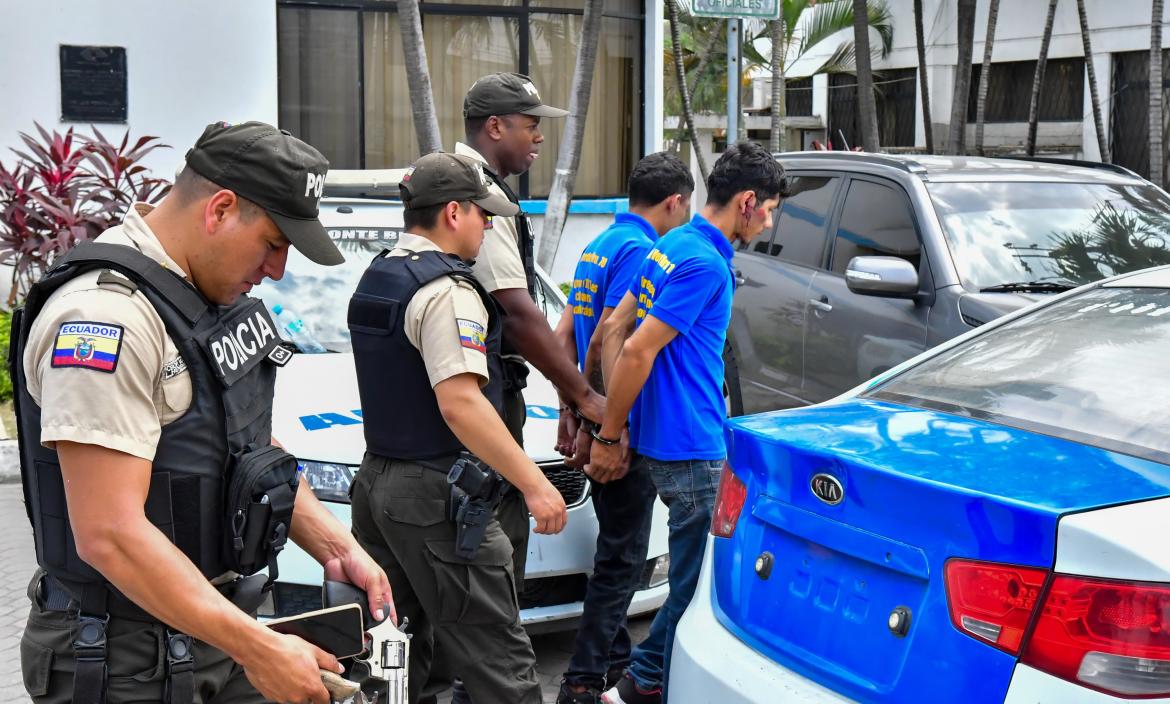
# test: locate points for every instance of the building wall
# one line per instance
(188, 64)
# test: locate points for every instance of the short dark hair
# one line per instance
(472, 126)
(657, 177)
(191, 186)
(745, 166)
(425, 218)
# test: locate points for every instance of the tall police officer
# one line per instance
(426, 338)
(501, 114)
(144, 383)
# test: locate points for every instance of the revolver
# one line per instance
(381, 671)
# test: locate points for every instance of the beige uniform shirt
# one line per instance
(99, 362)
(498, 265)
(445, 321)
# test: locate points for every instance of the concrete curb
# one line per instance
(9, 462)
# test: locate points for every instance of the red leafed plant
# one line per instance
(64, 189)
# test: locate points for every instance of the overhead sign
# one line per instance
(760, 9)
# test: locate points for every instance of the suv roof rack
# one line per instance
(1100, 166)
(363, 183)
(907, 165)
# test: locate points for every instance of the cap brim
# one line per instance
(545, 111)
(495, 204)
(310, 239)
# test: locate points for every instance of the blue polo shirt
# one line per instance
(686, 282)
(604, 272)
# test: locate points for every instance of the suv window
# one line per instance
(1091, 367)
(876, 221)
(800, 230)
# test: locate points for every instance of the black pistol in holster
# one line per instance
(475, 493)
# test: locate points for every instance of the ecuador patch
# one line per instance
(89, 345)
(471, 335)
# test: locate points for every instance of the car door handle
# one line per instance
(739, 280)
(822, 304)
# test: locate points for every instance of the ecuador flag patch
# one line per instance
(88, 345)
(471, 335)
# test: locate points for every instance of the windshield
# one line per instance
(1093, 368)
(319, 295)
(1061, 233)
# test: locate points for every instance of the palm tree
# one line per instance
(680, 77)
(418, 78)
(779, 136)
(866, 104)
(570, 151)
(957, 139)
(923, 81)
(1098, 122)
(1038, 79)
(1156, 127)
(985, 75)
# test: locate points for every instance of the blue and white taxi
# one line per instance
(987, 522)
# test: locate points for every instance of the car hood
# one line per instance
(317, 413)
(980, 308)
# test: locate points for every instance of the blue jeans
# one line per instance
(687, 487)
(624, 510)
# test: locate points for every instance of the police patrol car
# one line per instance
(318, 418)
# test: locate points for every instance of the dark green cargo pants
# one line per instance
(513, 511)
(136, 662)
(463, 614)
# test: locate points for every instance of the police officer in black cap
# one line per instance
(426, 339)
(144, 380)
(501, 115)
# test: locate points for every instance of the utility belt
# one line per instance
(90, 639)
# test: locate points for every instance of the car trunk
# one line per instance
(822, 586)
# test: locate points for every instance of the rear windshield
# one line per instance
(1093, 368)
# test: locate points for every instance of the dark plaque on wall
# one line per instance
(93, 83)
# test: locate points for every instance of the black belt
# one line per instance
(246, 593)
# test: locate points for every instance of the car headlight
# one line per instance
(329, 482)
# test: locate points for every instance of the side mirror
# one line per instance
(887, 277)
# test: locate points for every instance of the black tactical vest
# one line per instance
(400, 412)
(225, 350)
(527, 240)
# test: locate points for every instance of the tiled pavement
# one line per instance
(16, 566)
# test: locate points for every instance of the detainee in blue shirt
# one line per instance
(660, 188)
(667, 380)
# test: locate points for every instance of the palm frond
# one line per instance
(829, 18)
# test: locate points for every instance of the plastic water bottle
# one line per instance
(295, 331)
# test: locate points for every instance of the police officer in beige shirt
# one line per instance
(426, 339)
(104, 393)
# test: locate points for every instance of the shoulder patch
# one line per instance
(88, 345)
(471, 335)
(173, 368)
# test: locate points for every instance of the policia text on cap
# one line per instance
(147, 460)
(426, 339)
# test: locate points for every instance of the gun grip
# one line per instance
(342, 593)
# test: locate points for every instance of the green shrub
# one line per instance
(5, 382)
(566, 288)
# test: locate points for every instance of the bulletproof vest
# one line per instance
(400, 412)
(231, 355)
(516, 373)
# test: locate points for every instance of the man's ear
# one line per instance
(216, 209)
(494, 128)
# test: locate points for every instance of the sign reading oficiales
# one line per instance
(763, 9)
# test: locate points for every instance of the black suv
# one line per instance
(875, 258)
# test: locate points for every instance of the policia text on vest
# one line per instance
(144, 383)
(426, 338)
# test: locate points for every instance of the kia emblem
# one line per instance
(827, 488)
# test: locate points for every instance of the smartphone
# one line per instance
(338, 630)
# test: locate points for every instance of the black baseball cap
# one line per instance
(440, 177)
(506, 94)
(274, 170)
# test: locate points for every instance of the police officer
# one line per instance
(501, 114)
(426, 338)
(144, 383)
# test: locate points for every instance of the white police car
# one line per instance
(317, 416)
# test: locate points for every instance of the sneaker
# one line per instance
(626, 692)
(568, 696)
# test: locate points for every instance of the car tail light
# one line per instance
(993, 602)
(728, 503)
(1109, 635)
